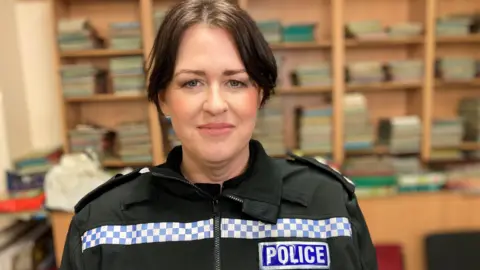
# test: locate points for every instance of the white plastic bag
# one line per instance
(75, 176)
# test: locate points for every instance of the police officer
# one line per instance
(219, 201)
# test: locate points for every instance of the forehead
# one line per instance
(204, 46)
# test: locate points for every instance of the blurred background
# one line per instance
(388, 91)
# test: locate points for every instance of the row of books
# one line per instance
(130, 142)
(126, 74)
(458, 24)
(80, 34)
(275, 32)
(270, 128)
(374, 29)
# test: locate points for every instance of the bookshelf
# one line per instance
(429, 98)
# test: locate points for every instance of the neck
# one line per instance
(199, 171)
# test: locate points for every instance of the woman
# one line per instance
(219, 201)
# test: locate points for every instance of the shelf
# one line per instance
(300, 45)
(115, 163)
(100, 53)
(303, 90)
(106, 98)
(452, 84)
(458, 39)
(384, 86)
(465, 146)
(383, 41)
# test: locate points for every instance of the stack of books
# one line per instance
(446, 133)
(368, 165)
(359, 133)
(128, 76)
(401, 134)
(125, 35)
(77, 34)
(405, 70)
(457, 24)
(79, 80)
(365, 29)
(134, 142)
(469, 110)
(158, 18)
(313, 75)
(407, 165)
(456, 68)
(315, 132)
(365, 72)
(87, 137)
(299, 33)
(446, 136)
(269, 129)
(271, 30)
(405, 29)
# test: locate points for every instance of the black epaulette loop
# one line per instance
(312, 162)
(112, 183)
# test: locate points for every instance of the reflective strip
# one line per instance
(231, 228)
(286, 227)
(147, 233)
(144, 170)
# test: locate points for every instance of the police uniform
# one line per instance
(291, 213)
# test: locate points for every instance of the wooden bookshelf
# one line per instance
(107, 109)
(384, 42)
(105, 98)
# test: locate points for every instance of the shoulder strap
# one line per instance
(112, 183)
(312, 162)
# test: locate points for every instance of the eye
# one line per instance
(236, 84)
(191, 84)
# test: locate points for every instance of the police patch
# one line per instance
(294, 255)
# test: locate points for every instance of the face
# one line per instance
(211, 100)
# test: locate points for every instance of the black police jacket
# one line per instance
(291, 213)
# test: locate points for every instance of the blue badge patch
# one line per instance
(294, 255)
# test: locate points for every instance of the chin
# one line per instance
(216, 154)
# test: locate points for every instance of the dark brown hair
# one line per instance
(254, 51)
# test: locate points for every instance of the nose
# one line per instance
(215, 102)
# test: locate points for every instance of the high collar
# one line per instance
(260, 189)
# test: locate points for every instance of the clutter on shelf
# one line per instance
(128, 75)
(315, 129)
(125, 35)
(77, 34)
(134, 142)
(269, 129)
(458, 24)
(275, 31)
(373, 29)
(359, 131)
(312, 75)
(79, 80)
(402, 134)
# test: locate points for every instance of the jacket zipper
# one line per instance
(216, 234)
(216, 218)
(233, 198)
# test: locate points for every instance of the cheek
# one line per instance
(247, 104)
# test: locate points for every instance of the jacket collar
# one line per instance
(260, 190)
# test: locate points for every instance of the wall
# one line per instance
(27, 76)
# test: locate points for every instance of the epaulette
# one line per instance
(110, 184)
(312, 162)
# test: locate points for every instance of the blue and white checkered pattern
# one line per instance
(147, 233)
(287, 227)
(231, 228)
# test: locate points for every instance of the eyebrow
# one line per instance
(228, 72)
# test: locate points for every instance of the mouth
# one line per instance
(216, 128)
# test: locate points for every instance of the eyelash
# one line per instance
(240, 84)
